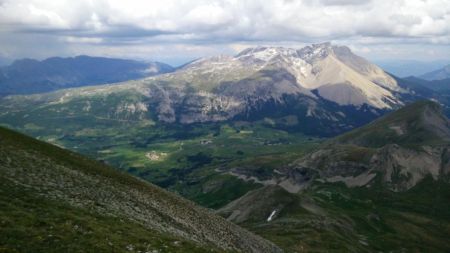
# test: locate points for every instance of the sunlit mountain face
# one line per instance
(224, 126)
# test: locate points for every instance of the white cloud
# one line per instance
(156, 23)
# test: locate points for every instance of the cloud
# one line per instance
(108, 23)
(344, 2)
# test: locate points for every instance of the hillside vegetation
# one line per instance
(54, 200)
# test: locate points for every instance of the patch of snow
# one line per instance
(271, 215)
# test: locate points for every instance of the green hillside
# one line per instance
(420, 123)
(335, 218)
(53, 200)
(402, 207)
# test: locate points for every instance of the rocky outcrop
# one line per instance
(403, 168)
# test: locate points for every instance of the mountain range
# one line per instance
(29, 76)
(405, 68)
(313, 149)
(440, 74)
(327, 88)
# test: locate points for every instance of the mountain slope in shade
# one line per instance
(54, 200)
(442, 86)
(31, 76)
(440, 74)
(421, 123)
(403, 148)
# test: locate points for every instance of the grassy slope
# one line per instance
(36, 217)
(334, 218)
(339, 219)
(32, 223)
(380, 132)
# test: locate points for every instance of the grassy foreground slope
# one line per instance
(53, 200)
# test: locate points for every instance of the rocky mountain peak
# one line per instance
(308, 53)
(262, 54)
(315, 51)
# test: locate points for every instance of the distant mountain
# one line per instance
(440, 74)
(4, 61)
(436, 85)
(54, 200)
(405, 68)
(29, 76)
(327, 90)
(335, 73)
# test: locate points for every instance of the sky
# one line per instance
(176, 31)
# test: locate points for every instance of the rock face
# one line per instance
(405, 146)
(403, 168)
(68, 178)
(327, 88)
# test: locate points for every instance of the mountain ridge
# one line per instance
(436, 75)
(325, 86)
(28, 76)
(405, 146)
